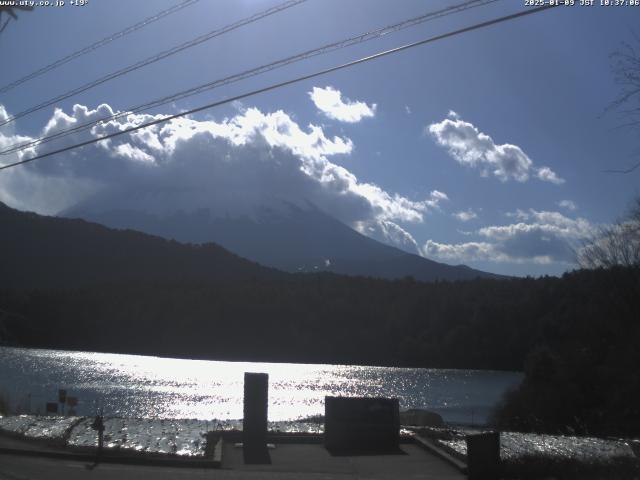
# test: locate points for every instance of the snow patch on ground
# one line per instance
(185, 438)
(515, 445)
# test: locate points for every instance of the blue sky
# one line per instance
(449, 117)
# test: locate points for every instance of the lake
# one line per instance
(136, 386)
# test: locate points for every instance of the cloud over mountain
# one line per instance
(466, 144)
(228, 166)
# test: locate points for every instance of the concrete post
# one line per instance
(483, 456)
(254, 427)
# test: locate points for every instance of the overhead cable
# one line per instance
(375, 56)
(98, 44)
(155, 58)
(364, 37)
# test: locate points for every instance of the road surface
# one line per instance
(305, 462)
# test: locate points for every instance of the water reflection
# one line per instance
(153, 387)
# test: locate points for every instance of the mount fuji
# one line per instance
(280, 234)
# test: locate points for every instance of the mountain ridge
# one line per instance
(38, 251)
(293, 239)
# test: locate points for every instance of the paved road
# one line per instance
(305, 462)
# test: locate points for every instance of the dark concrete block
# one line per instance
(362, 425)
(254, 426)
(483, 456)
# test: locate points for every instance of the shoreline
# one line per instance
(263, 361)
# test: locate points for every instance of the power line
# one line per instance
(375, 56)
(155, 58)
(98, 44)
(4, 25)
(628, 170)
(256, 71)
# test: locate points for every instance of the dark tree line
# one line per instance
(576, 337)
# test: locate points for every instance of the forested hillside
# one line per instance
(330, 318)
(576, 337)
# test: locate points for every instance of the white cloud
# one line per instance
(519, 214)
(228, 166)
(551, 223)
(463, 252)
(407, 109)
(540, 237)
(134, 153)
(568, 204)
(547, 175)
(4, 115)
(465, 215)
(437, 196)
(329, 101)
(469, 146)
(388, 232)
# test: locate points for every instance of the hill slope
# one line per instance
(40, 251)
(289, 238)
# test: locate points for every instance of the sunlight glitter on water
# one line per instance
(154, 387)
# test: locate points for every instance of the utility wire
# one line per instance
(4, 25)
(155, 58)
(98, 44)
(318, 73)
(256, 71)
(628, 170)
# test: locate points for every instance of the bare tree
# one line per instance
(625, 65)
(617, 244)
